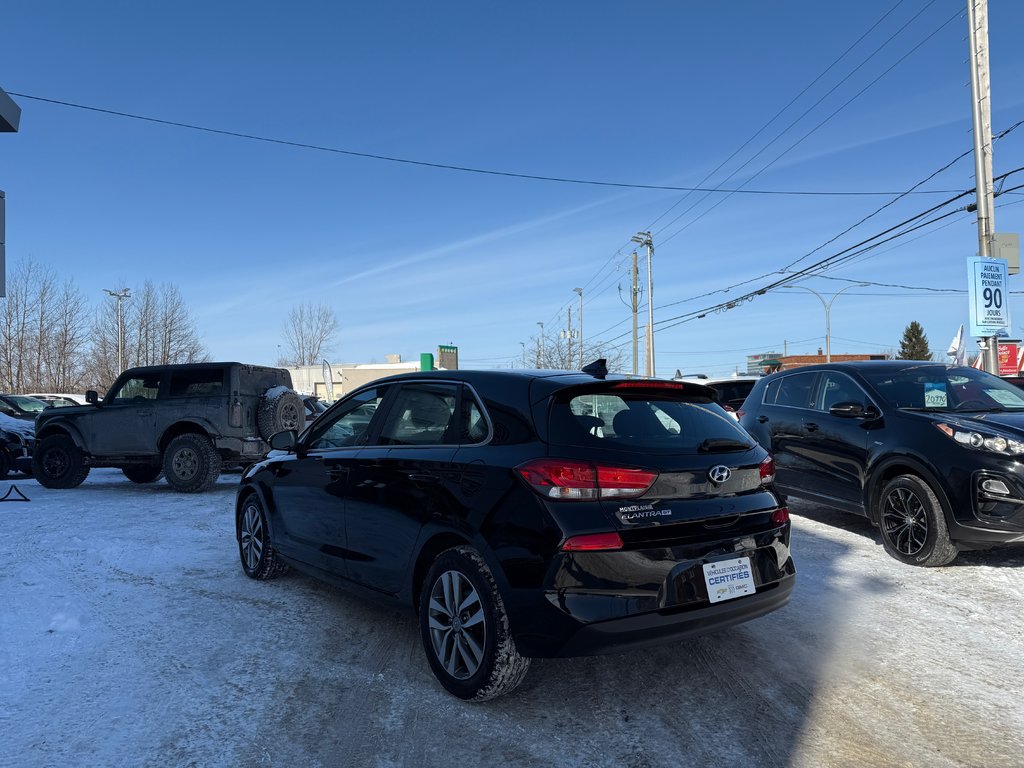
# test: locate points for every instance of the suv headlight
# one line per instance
(994, 443)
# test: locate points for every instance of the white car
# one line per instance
(59, 400)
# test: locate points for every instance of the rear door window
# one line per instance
(795, 391)
(421, 415)
(657, 419)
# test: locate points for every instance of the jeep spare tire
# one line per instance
(281, 409)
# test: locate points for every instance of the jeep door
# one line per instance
(125, 424)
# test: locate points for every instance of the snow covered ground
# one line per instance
(129, 636)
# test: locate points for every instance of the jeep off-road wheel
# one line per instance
(465, 630)
(191, 463)
(59, 463)
(259, 558)
(912, 523)
(142, 475)
(281, 409)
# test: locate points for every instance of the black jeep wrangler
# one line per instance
(185, 421)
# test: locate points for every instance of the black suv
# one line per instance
(185, 421)
(932, 454)
(526, 514)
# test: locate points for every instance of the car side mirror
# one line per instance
(284, 441)
(92, 396)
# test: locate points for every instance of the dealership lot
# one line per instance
(129, 635)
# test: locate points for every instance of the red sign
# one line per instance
(1007, 359)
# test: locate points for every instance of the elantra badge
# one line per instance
(718, 474)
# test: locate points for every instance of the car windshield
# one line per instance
(654, 419)
(945, 388)
(29, 404)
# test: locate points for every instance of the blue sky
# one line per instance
(412, 257)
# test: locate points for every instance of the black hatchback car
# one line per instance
(526, 514)
(932, 454)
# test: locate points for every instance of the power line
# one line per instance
(450, 167)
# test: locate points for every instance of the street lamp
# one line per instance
(121, 295)
(828, 307)
(540, 345)
(580, 292)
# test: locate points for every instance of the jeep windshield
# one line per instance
(945, 388)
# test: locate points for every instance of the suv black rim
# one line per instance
(55, 462)
(252, 537)
(457, 627)
(905, 521)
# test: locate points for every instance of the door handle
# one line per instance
(811, 427)
(337, 472)
(762, 419)
(424, 479)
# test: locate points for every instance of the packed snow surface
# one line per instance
(130, 636)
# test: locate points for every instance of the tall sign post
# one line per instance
(981, 112)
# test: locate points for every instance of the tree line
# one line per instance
(52, 339)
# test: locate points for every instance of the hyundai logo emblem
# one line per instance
(719, 474)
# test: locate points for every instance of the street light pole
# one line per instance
(121, 295)
(540, 345)
(580, 292)
(828, 309)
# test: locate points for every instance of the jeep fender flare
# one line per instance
(913, 465)
(62, 427)
(189, 425)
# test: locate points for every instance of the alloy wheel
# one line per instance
(186, 464)
(905, 521)
(55, 462)
(252, 536)
(458, 630)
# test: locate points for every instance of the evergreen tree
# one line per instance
(914, 344)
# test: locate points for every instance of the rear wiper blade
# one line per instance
(717, 444)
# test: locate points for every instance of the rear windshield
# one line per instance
(655, 420)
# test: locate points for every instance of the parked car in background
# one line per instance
(730, 390)
(21, 406)
(1017, 381)
(520, 524)
(932, 454)
(312, 406)
(183, 421)
(60, 400)
(17, 438)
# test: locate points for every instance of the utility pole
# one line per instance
(580, 292)
(540, 345)
(635, 294)
(568, 337)
(121, 295)
(523, 345)
(981, 112)
(644, 239)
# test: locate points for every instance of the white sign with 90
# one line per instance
(988, 288)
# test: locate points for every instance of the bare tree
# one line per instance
(42, 332)
(309, 333)
(553, 352)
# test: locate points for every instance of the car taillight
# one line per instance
(740, 413)
(767, 470)
(591, 542)
(780, 516)
(570, 480)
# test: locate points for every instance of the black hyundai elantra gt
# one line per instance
(526, 514)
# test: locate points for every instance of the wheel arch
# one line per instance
(183, 427)
(432, 547)
(62, 428)
(244, 493)
(893, 467)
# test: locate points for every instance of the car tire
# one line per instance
(191, 463)
(465, 629)
(59, 463)
(913, 524)
(142, 475)
(256, 551)
(280, 410)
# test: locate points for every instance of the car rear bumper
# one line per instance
(609, 601)
(249, 448)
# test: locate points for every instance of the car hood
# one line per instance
(1004, 420)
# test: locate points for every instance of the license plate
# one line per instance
(727, 579)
